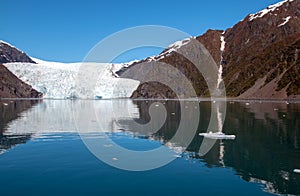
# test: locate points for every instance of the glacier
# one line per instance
(60, 80)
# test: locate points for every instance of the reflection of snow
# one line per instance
(222, 152)
(61, 116)
(268, 186)
(176, 148)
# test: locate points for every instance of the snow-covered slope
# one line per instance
(269, 9)
(58, 80)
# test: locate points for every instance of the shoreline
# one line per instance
(227, 99)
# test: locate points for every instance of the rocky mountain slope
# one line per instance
(10, 85)
(259, 57)
(13, 87)
(9, 53)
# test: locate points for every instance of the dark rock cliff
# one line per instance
(260, 60)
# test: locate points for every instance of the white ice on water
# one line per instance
(58, 80)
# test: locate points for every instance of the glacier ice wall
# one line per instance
(58, 80)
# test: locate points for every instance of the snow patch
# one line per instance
(286, 20)
(222, 38)
(269, 9)
(171, 48)
(220, 71)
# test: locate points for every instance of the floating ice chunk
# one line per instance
(177, 155)
(297, 171)
(217, 135)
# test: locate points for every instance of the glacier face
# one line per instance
(60, 80)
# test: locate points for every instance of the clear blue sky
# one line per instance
(66, 30)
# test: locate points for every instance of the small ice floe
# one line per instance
(114, 159)
(177, 155)
(296, 171)
(5, 104)
(217, 135)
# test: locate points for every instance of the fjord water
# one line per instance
(42, 151)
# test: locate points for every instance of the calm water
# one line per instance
(42, 151)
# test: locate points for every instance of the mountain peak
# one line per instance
(9, 53)
(269, 9)
(258, 57)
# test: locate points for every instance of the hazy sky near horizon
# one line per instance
(65, 31)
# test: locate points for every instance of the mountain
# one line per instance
(259, 57)
(9, 53)
(10, 85)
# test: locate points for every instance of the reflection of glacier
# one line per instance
(50, 116)
(58, 80)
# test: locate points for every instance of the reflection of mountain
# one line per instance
(266, 148)
(9, 141)
(11, 110)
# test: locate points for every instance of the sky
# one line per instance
(65, 31)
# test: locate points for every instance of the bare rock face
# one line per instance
(264, 46)
(13, 87)
(10, 85)
(261, 57)
(10, 54)
(212, 42)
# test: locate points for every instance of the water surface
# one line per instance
(42, 151)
